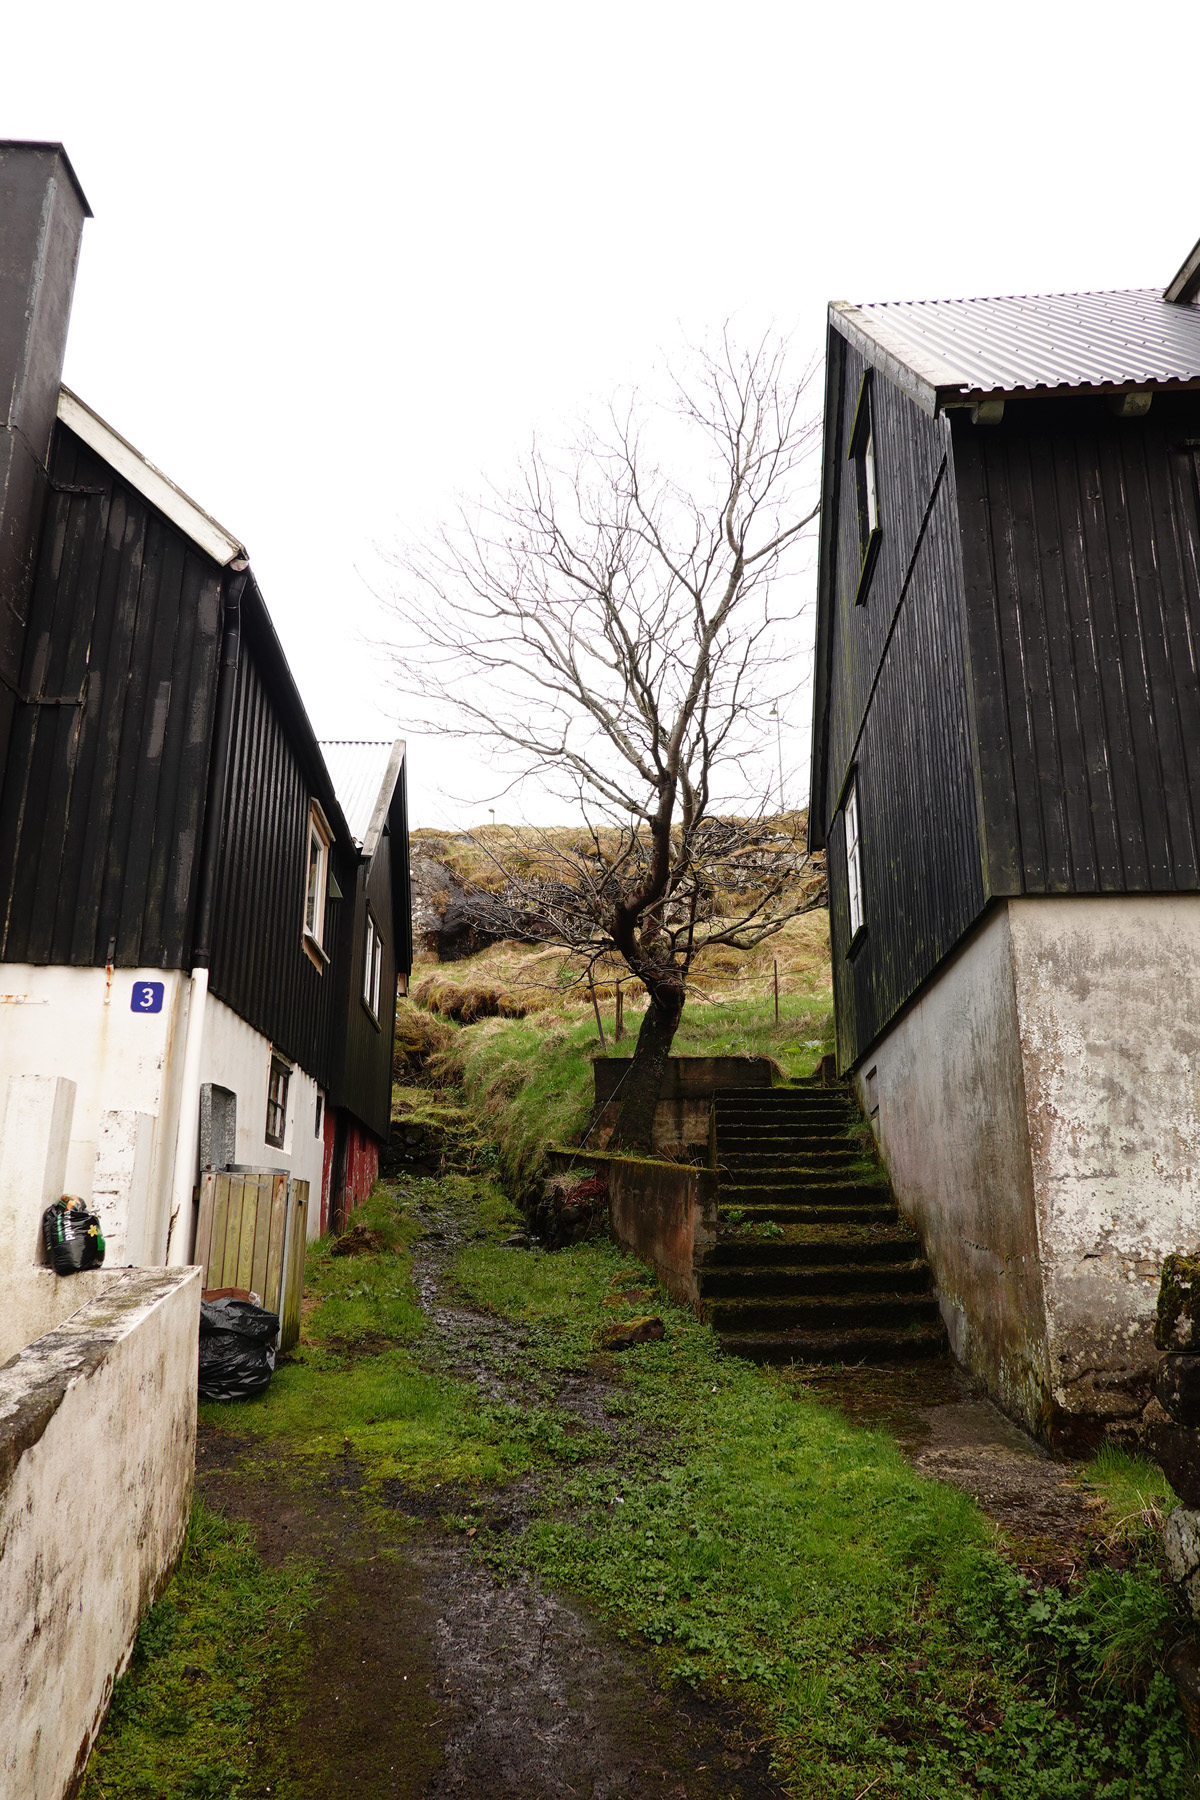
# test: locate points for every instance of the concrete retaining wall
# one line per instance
(666, 1213)
(689, 1084)
(97, 1448)
(1038, 1108)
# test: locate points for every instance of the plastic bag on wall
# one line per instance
(72, 1236)
(237, 1349)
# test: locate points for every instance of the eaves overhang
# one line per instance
(958, 353)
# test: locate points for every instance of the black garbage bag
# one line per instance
(72, 1236)
(237, 1349)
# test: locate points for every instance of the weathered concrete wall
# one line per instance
(97, 1446)
(82, 1025)
(666, 1213)
(1108, 995)
(681, 1116)
(36, 1112)
(1039, 1113)
(946, 1096)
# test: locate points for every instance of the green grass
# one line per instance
(530, 1080)
(184, 1719)
(356, 1381)
(528, 1097)
(760, 1543)
(781, 1553)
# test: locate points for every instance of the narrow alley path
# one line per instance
(430, 1674)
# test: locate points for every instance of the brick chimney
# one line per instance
(42, 209)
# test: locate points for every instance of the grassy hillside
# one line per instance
(530, 1077)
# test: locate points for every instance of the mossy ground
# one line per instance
(750, 1538)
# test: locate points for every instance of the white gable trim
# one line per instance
(150, 482)
(384, 800)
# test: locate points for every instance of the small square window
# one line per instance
(277, 1101)
(317, 880)
(372, 967)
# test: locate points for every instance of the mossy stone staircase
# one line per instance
(813, 1263)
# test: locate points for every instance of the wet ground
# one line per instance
(429, 1676)
(951, 1431)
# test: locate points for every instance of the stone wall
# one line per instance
(97, 1447)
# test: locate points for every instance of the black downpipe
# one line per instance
(214, 812)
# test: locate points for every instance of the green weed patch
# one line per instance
(770, 1548)
(184, 1718)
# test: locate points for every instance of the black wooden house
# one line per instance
(1006, 774)
(191, 934)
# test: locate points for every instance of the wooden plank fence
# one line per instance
(251, 1233)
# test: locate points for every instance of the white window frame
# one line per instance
(372, 967)
(868, 456)
(315, 895)
(854, 862)
(278, 1069)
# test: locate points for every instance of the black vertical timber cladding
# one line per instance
(900, 721)
(1081, 552)
(260, 967)
(367, 1065)
(102, 801)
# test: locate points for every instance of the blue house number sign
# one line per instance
(147, 997)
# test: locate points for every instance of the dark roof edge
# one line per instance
(825, 568)
(58, 150)
(1185, 283)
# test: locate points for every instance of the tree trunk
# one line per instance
(642, 1085)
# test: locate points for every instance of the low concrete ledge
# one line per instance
(666, 1213)
(97, 1450)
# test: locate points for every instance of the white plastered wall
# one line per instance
(1039, 1113)
(113, 1141)
(80, 1026)
(237, 1057)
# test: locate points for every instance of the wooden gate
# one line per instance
(251, 1233)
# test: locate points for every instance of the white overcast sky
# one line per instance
(345, 260)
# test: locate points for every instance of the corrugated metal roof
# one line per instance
(360, 768)
(939, 350)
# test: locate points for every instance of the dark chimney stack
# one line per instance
(42, 209)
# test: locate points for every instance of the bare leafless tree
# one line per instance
(621, 635)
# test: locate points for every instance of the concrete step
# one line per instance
(765, 1192)
(788, 1151)
(861, 1344)
(749, 1282)
(729, 1109)
(811, 1245)
(784, 1137)
(815, 1312)
(825, 1212)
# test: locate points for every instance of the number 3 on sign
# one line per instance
(147, 997)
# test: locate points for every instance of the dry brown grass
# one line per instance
(467, 1001)
(536, 978)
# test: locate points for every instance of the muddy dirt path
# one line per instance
(428, 1677)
